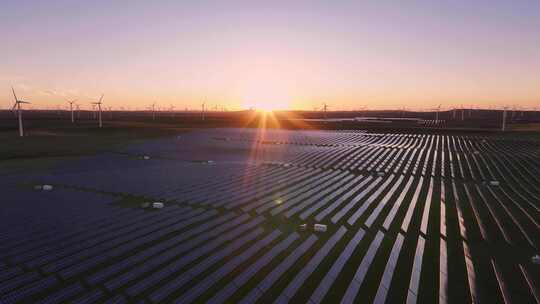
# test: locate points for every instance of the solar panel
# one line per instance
(388, 273)
(91, 297)
(17, 281)
(162, 292)
(358, 213)
(336, 268)
(373, 216)
(28, 290)
(326, 191)
(182, 261)
(416, 270)
(297, 282)
(63, 294)
(274, 275)
(117, 299)
(247, 274)
(202, 286)
(361, 271)
(354, 201)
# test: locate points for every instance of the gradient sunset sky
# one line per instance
(280, 54)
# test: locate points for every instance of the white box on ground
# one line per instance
(494, 183)
(47, 187)
(157, 205)
(319, 228)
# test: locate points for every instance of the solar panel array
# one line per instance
(411, 218)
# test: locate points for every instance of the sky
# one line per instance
(272, 54)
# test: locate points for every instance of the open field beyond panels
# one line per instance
(410, 217)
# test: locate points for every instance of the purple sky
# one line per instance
(278, 54)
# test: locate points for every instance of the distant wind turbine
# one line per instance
(503, 128)
(202, 112)
(19, 111)
(71, 102)
(153, 108)
(325, 109)
(98, 104)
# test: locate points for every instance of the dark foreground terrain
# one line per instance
(411, 216)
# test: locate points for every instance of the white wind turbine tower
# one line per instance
(153, 108)
(437, 112)
(503, 128)
(71, 102)
(98, 104)
(19, 111)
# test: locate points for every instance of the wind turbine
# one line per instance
(503, 128)
(19, 111)
(437, 111)
(98, 104)
(325, 109)
(202, 112)
(153, 108)
(71, 102)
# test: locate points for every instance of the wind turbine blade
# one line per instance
(101, 98)
(14, 106)
(14, 95)
(22, 101)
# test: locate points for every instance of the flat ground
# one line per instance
(410, 216)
